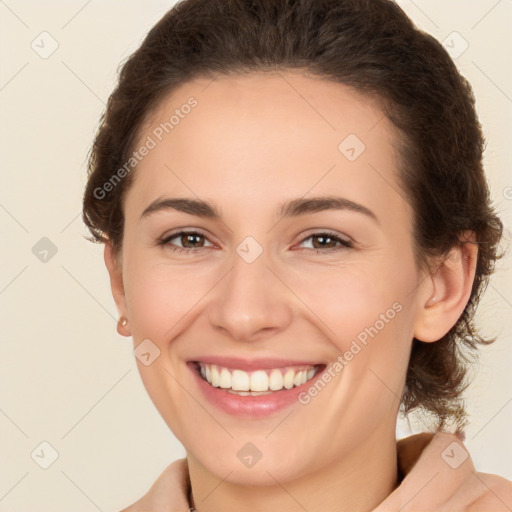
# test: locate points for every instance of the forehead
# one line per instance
(270, 135)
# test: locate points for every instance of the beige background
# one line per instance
(66, 376)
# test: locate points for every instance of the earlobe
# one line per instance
(117, 286)
(122, 326)
(447, 292)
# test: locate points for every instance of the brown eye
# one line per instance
(191, 240)
(327, 241)
(185, 240)
(324, 241)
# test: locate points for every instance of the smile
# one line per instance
(259, 382)
(253, 388)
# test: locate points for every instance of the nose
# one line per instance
(251, 302)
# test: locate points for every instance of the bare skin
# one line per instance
(251, 144)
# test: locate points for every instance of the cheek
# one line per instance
(347, 300)
(365, 315)
(160, 296)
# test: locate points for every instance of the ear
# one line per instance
(116, 283)
(446, 295)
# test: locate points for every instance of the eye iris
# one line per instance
(323, 238)
(185, 238)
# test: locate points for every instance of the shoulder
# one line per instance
(441, 468)
(484, 493)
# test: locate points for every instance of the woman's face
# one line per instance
(299, 266)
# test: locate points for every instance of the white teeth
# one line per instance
(288, 379)
(225, 379)
(275, 381)
(259, 382)
(215, 377)
(239, 381)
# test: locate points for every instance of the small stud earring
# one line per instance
(123, 321)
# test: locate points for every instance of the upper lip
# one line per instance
(252, 364)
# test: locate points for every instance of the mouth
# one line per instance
(256, 388)
(256, 383)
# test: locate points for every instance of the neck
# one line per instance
(357, 483)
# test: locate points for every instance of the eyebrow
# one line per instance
(292, 208)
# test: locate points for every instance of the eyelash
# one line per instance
(344, 244)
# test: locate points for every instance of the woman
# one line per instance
(297, 229)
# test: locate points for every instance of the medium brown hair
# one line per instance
(372, 46)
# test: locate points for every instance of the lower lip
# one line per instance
(251, 406)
